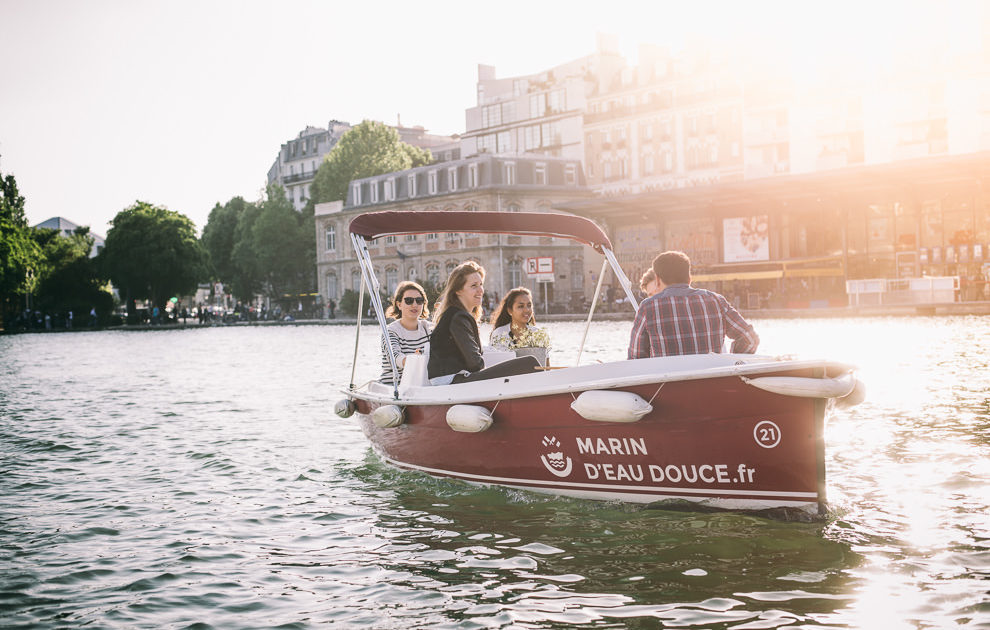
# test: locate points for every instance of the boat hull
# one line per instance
(717, 441)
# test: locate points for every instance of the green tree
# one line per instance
(19, 253)
(218, 237)
(152, 252)
(370, 148)
(68, 279)
(246, 279)
(280, 242)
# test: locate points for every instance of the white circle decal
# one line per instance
(766, 434)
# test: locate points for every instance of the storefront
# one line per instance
(793, 241)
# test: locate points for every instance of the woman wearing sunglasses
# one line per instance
(455, 348)
(410, 332)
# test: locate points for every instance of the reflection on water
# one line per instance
(173, 478)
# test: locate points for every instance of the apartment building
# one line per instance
(298, 159)
(479, 183)
(537, 114)
(668, 122)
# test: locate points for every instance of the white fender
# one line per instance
(344, 408)
(611, 406)
(856, 396)
(805, 387)
(469, 418)
(387, 416)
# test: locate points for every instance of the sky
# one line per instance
(185, 103)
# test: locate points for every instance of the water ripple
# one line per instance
(197, 479)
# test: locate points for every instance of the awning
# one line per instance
(393, 222)
(817, 272)
(738, 275)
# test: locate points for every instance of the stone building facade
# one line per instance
(480, 183)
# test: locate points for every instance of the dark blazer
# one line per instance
(455, 344)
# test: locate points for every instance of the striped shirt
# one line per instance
(403, 342)
(684, 320)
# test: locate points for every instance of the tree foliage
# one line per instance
(282, 246)
(218, 236)
(152, 252)
(68, 279)
(19, 253)
(368, 149)
(262, 248)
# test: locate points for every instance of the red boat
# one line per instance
(731, 431)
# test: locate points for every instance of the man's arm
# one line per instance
(744, 338)
(639, 338)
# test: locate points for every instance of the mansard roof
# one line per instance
(477, 173)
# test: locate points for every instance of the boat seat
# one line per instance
(414, 372)
(494, 357)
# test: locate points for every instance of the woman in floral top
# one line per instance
(513, 324)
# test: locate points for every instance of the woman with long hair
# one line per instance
(410, 332)
(455, 345)
(512, 318)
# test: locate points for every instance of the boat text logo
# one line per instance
(555, 461)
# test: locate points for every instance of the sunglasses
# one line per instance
(410, 301)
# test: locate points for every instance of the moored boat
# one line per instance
(732, 431)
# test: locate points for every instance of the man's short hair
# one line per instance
(673, 268)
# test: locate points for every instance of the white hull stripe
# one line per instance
(599, 486)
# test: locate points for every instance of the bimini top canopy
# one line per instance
(391, 222)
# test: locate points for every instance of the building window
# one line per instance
(374, 191)
(540, 174)
(332, 286)
(433, 273)
(391, 279)
(515, 273)
(510, 173)
(433, 182)
(648, 164)
(514, 207)
(537, 106)
(491, 115)
(331, 238)
(531, 137)
(570, 175)
(356, 193)
(355, 281)
(504, 142)
(486, 143)
(390, 189)
(473, 176)
(410, 237)
(411, 181)
(452, 178)
(432, 236)
(389, 240)
(451, 265)
(577, 274)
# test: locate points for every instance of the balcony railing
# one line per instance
(298, 177)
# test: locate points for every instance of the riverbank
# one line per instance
(899, 310)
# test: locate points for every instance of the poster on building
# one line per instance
(694, 237)
(746, 239)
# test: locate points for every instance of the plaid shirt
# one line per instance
(683, 320)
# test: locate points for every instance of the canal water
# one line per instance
(198, 478)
